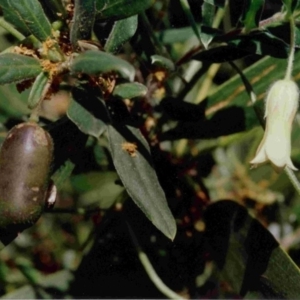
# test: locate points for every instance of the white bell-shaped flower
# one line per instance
(281, 107)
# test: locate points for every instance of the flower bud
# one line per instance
(280, 110)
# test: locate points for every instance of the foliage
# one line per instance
(150, 107)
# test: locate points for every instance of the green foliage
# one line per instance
(95, 62)
(130, 90)
(252, 14)
(245, 250)
(37, 90)
(120, 9)
(122, 31)
(85, 121)
(83, 21)
(132, 160)
(15, 67)
(28, 16)
(150, 107)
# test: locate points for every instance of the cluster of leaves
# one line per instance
(146, 108)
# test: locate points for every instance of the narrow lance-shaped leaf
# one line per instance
(96, 62)
(261, 75)
(56, 7)
(15, 67)
(208, 12)
(83, 20)
(97, 188)
(84, 120)
(122, 31)
(120, 9)
(63, 173)
(252, 14)
(11, 16)
(248, 256)
(130, 90)
(162, 62)
(288, 5)
(132, 160)
(187, 11)
(31, 13)
(219, 3)
(38, 90)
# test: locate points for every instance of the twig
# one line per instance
(18, 35)
(150, 270)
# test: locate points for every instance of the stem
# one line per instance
(289, 69)
(155, 278)
(149, 268)
(292, 177)
(18, 35)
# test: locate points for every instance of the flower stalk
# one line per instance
(281, 105)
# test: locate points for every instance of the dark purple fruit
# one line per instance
(25, 160)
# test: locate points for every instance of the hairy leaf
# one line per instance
(122, 31)
(97, 62)
(63, 173)
(132, 160)
(83, 21)
(11, 16)
(30, 13)
(85, 121)
(38, 90)
(130, 90)
(120, 9)
(162, 62)
(15, 67)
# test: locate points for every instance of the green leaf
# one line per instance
(251, 18)
(56, 7)
(122, 31)
(208, 13)
(30, 13)
(11, 16)
(162, 62)
(175, 35)
(130, 90)
(295, 5)
(49, 287)
(63, 173)
(15, 67)
(187, 11)
(132, 160)
(219, 3)
(120, 9)
(97, 62)
(83, 21)
(84, 120)
(260, 75)
(288, 5)
(248, 256)
(97, 188)
(38, 90)
(12, 104)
